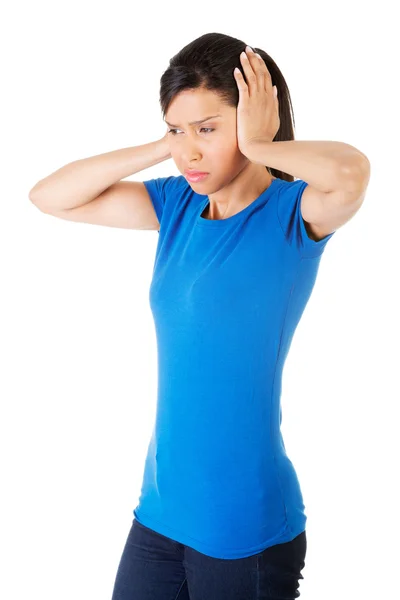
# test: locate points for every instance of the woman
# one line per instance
(221, 513)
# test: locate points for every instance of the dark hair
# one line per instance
(208, 62)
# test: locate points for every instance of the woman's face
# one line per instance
(210, 146)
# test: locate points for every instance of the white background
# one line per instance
(78, 378)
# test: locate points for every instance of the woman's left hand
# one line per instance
(258, 108)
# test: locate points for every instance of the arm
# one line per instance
(337, 175)
(81, 181)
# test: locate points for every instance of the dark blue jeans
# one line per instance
(155, 567)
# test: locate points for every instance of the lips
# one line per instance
(194, 173)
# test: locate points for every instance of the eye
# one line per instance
(173, 131)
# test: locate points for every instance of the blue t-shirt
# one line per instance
(226, 297)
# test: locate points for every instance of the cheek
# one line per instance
(234, 161)
(225, 148)
(231, 154)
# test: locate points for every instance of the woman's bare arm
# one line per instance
(90, 190)
(81, 181)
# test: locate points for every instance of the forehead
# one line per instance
(194, 106)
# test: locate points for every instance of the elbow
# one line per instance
(36, 197)
(33, 194)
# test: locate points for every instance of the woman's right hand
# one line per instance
(164, 142)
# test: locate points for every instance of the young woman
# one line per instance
(221, 513)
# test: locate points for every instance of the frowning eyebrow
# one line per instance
(196, 122)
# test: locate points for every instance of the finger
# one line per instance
(240, 83)
(263, 77)
(257, 64)
(265, 72)
(248, 70)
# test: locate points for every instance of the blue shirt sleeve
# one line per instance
(158, 190)
(292, 223)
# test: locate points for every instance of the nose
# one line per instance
(191, 158)
(189, 149)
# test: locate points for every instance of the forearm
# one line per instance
(79, 182)
(325, 165)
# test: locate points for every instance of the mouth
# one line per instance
(195, 175)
